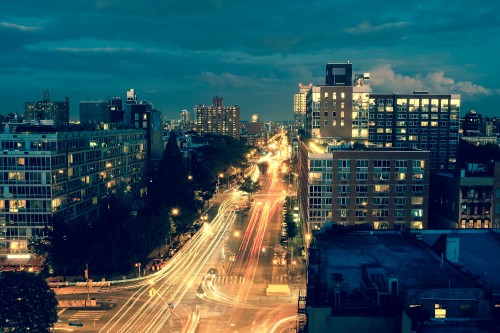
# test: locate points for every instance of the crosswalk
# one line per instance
(86, 315)
(229, 279)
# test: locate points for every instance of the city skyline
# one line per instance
(178, 55)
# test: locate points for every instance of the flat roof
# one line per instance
(400, 254)
(477, 252)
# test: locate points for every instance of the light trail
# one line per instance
(170, 284)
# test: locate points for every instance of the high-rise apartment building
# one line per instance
(338, 109)
(385, 187)
(185, 121)
(47, 112)
(419, 120)
(63, 176)
(143, 115)
(345, 108)
(218, 119)
(299, 107)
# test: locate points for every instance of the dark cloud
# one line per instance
(181, 53)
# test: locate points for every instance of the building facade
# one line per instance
(299, 107)
(63, 176)
(95, 111)
(419, 120)
(144, 115)
(471, 124)
(386, 188)
(339, 109)
(47, 112)
(468, 199)
(218, 119)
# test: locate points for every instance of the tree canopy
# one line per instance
(218, 155)
(263, 167)
(27, 304)
(249, 186)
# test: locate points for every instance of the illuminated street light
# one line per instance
(219, 176)
(138, 265)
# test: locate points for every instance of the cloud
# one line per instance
(367, 27)
(19, 27)
(231, 80)
(95, 49)
(385, 78)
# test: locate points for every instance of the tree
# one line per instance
(27, 304)
(291, 226)
(170, 186)
(206, 196)
(263, 167)
(62, 247)
(109, 237)
(249, 186)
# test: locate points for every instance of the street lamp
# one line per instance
(138, 265)
(219, 176)
(174, 212)
(308, 239)
(236, 234)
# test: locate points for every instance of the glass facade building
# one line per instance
(64, 175)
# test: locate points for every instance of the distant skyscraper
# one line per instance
(218, 119)
(47, 112)
(185, 122)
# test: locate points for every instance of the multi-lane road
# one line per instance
(215, 283)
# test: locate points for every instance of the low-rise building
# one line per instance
(390, 281)
(469, 198)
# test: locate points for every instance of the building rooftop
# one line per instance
(330, 145)
(400, 255)
(474, 256)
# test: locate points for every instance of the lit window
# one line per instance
(439, 311)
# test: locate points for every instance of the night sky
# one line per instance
(178, 54)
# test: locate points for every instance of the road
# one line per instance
(215, 283)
